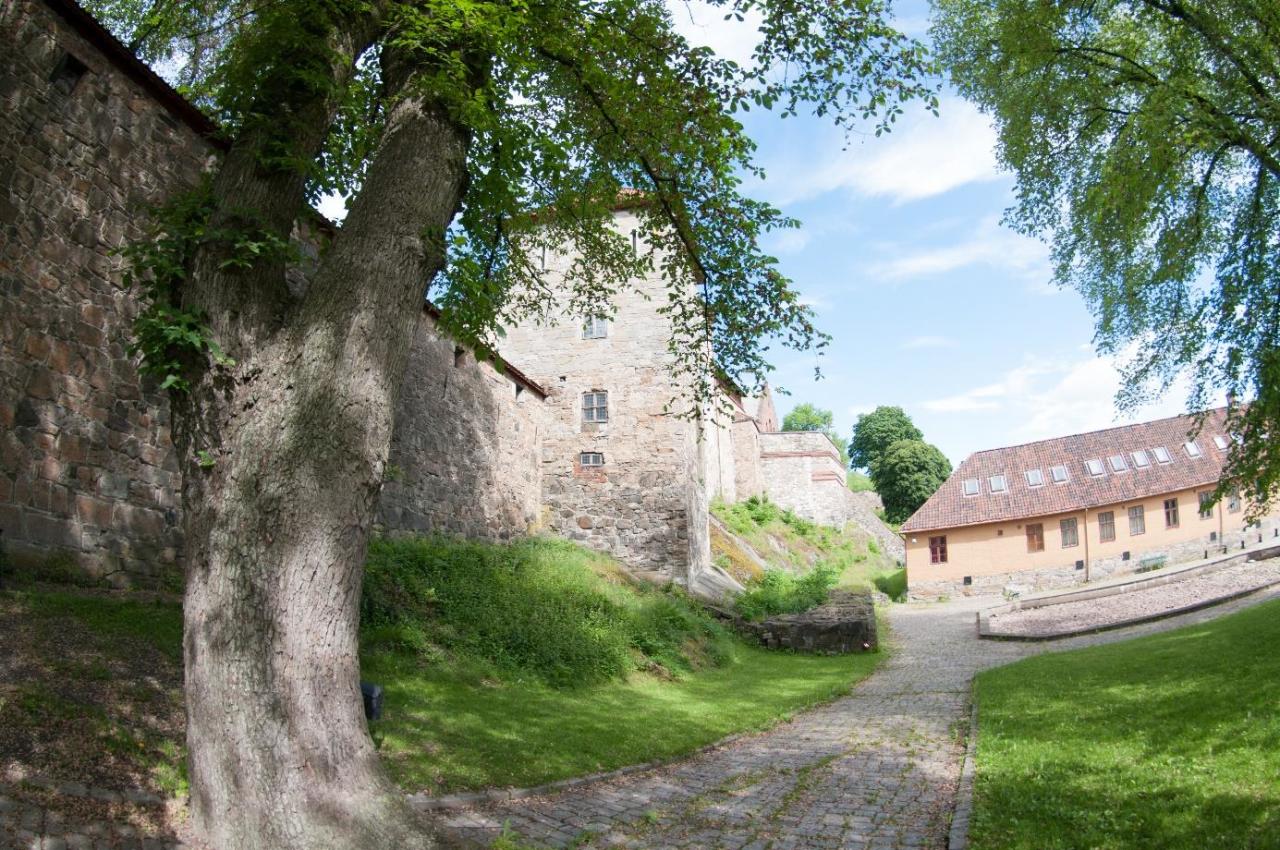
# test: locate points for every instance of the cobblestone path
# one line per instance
(875, 770)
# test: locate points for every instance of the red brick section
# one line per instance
(949, 507)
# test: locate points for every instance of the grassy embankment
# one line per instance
(503, 665)
(794, 547)
(1169, 741)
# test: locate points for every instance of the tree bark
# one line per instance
(299, 432)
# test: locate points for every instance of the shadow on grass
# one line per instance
(444, 732)
(1168, 741)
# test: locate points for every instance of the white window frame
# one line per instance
(1161, 450)
(1004, 483)
(595, 327)
(1118, 459)
(1066, 474)
(595, 407)
(591, 460)
(1193, 449)
(1141, 460)
(1221, 442)
(1038, 481)
(1095, 472)
(977, 487)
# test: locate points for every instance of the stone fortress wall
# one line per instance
(87, 468)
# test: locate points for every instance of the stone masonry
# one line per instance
(87, 468)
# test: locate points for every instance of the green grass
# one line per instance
(859, 482)
(781, 592)
(797, 545)
(450, 727)
(1169, 741)
(157, 623)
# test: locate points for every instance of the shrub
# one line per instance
(545, 608)
(893, 584)
(780, 592)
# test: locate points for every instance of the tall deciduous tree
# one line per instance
(874, 432)
(907, 475)
(807, 417)
(446, 121)
(1145, 136)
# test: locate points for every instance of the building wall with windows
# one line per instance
(1058, 512)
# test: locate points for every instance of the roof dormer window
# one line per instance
(971, 487)
(1221, 442)
(1118, 464)
(1141, 460)
(1095, 468)
(1193, 449)
(1058, 474)
(1035, 478)
(1162, 454)
(998, 484)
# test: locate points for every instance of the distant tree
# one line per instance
(875, 432)
(807, 417)
(1145, 138)
(908, 474)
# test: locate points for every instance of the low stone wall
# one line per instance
(845, 623)
(1022, 582)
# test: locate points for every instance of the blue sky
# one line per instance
(931, 303)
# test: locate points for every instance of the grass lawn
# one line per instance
(1164, 742)
(452, 729)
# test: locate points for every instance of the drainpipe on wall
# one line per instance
(1222, 532)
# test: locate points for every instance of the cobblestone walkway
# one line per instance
(876, 770)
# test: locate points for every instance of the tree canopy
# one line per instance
(908, 474)
(808, 417)
(874, 432)
(1145, 138)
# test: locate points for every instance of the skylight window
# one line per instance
(998, 484)
(1140, 459)
(1058, 474)
(1221, 442)
(1193, 449)
(1118, 464)
(1162, 454)
(1094, 467)
(971, 486)
(1035, 478)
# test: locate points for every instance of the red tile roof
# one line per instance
(949, 507)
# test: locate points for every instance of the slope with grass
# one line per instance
(1169, 741)
(758, 536)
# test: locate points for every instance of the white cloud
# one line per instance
(924, 156)
(1041, 399)
(928, 342)
(704, 26)
(789, 241)
(987, 244)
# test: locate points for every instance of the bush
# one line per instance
(545, 608)
(893, 585)
(780, 592)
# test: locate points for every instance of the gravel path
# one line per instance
(876, 770)
(1091, 613)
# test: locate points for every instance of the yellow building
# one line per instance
(1079, 508)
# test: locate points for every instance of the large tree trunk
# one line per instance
(276, 528)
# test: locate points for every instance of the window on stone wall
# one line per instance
(67, 73)
(1233, 503)
(1070, 532)
(1107, 526)
(595, 327)
(591, 459)
(595, 407)
(1206, 504)
(1137, 520)
(1170, 513)
(1035, 537)
(938, 549)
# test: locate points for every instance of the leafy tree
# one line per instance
(875, 432)
(1145, 136)
(807, 417)
(909, 473)
(446, 123)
